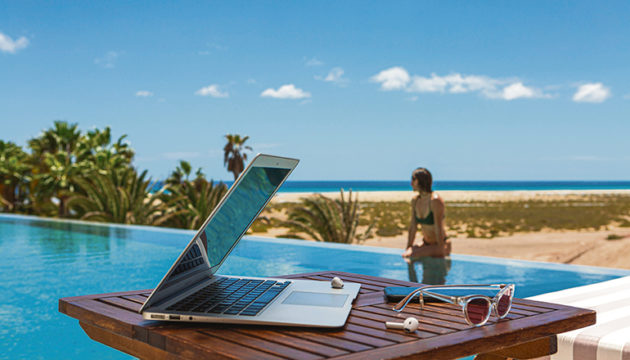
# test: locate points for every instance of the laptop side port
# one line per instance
(156, 316)
(174, 317)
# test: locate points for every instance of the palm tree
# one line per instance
(62, 154)
(97, 149)
(60, 179)
(328, 220)
(14, 175)
(181, 173)
(192, 201)
(119, 197)
(62, 137)
(55, 163)
(234, 156)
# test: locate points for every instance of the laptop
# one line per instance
(192, 291)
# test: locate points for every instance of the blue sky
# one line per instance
(534, 90)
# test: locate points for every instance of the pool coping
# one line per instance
(348, 247)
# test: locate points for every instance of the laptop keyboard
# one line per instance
(232, 296)
(190, 260)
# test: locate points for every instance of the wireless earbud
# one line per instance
(409, 325)
(336, 283)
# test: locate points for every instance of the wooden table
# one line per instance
(529, 330)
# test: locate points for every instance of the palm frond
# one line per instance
(328, 220)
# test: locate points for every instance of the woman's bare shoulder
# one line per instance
(436, 199)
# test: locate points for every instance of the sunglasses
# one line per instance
(476, 308)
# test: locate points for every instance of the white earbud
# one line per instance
(409, 325)
(336, 283)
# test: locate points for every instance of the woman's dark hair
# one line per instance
(425, 180)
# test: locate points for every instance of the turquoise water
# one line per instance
(46, 260)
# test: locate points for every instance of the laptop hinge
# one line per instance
(183, 288)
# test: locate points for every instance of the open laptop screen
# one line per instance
(229, 221)
(239, 210)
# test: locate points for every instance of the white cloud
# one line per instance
(518, 90)
(10, 46)
(335, 76)
(313, 62)
(288, 91)
(394, 78)
(397, 78)
(432, 84)
(107, 61)
(144, 93)
(212, 90)
(592, 92)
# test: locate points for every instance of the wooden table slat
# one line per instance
(265, 345)
(137, 298)
(121, 303)
(426, 318)
(199, 345)
(376, 329)
(443, 332)
(302, 344)
(424, 325)
(359, 324)
(330, 340)
(106, 316)
(440, 312)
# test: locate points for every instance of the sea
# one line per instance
(362, 185)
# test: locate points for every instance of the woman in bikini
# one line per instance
(427, 209)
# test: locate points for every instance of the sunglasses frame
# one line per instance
(463, 301)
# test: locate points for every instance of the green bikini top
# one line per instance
(427, 220)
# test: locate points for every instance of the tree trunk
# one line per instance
(8, 194)
(62, 206)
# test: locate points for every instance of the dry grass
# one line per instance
(491, 218)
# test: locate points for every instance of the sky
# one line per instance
(495, 90)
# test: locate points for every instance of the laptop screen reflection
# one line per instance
(239, 210)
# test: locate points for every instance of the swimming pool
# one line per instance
(43, 260)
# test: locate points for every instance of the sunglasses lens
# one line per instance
(478, 310)
(503, 305)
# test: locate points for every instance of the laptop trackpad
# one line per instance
(316, 299)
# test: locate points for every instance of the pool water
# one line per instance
(44, 260)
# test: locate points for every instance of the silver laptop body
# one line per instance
(191, 290)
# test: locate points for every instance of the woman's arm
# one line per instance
(413, 225)
(437, 205)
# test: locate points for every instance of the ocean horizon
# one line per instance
(322, 186)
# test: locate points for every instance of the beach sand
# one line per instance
(456, 195)
(569, 247)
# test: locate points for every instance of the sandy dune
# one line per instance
(571, 247)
